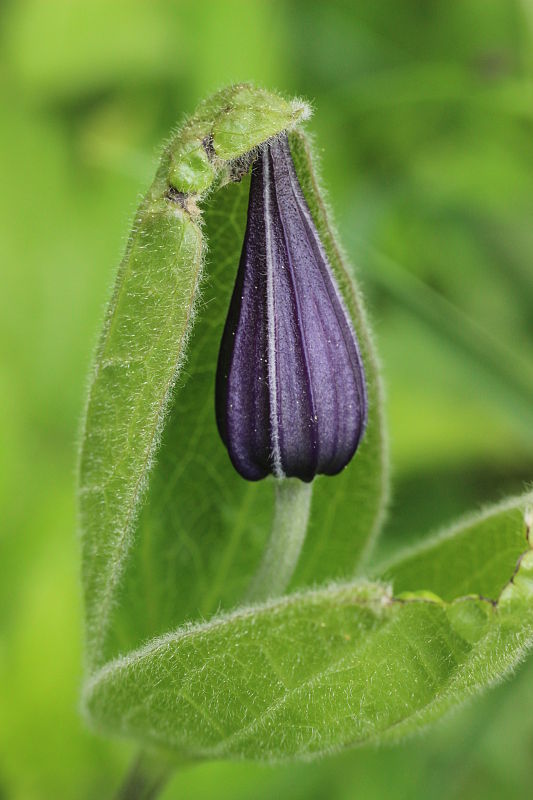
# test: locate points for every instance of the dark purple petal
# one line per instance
(290, 390)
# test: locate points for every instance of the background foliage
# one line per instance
(424, 122)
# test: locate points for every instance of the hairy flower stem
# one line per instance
(291, 515)
(147, 777)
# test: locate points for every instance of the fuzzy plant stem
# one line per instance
(291, 515)
(147, 777)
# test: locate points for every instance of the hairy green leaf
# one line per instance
(170, 532)
(475, 556)
(326, 669)
(143, 345)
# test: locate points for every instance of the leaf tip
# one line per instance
(301, 109)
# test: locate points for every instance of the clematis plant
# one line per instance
(229, 618)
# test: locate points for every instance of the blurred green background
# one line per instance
(424, 122)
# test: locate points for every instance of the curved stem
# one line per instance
(289, 527)
(146, 778)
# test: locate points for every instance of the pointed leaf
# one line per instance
(323, 670)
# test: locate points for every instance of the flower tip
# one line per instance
(301, 109)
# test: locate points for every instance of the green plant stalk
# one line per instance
(291, 515)
(147, 777)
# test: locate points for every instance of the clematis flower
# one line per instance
(290, 387)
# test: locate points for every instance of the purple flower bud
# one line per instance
(290, 388)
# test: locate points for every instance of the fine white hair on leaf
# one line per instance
(115, 507)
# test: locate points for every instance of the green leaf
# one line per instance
(202, 529)
(326, 669)
(170, 532)
(142, 352)
(475, 556)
